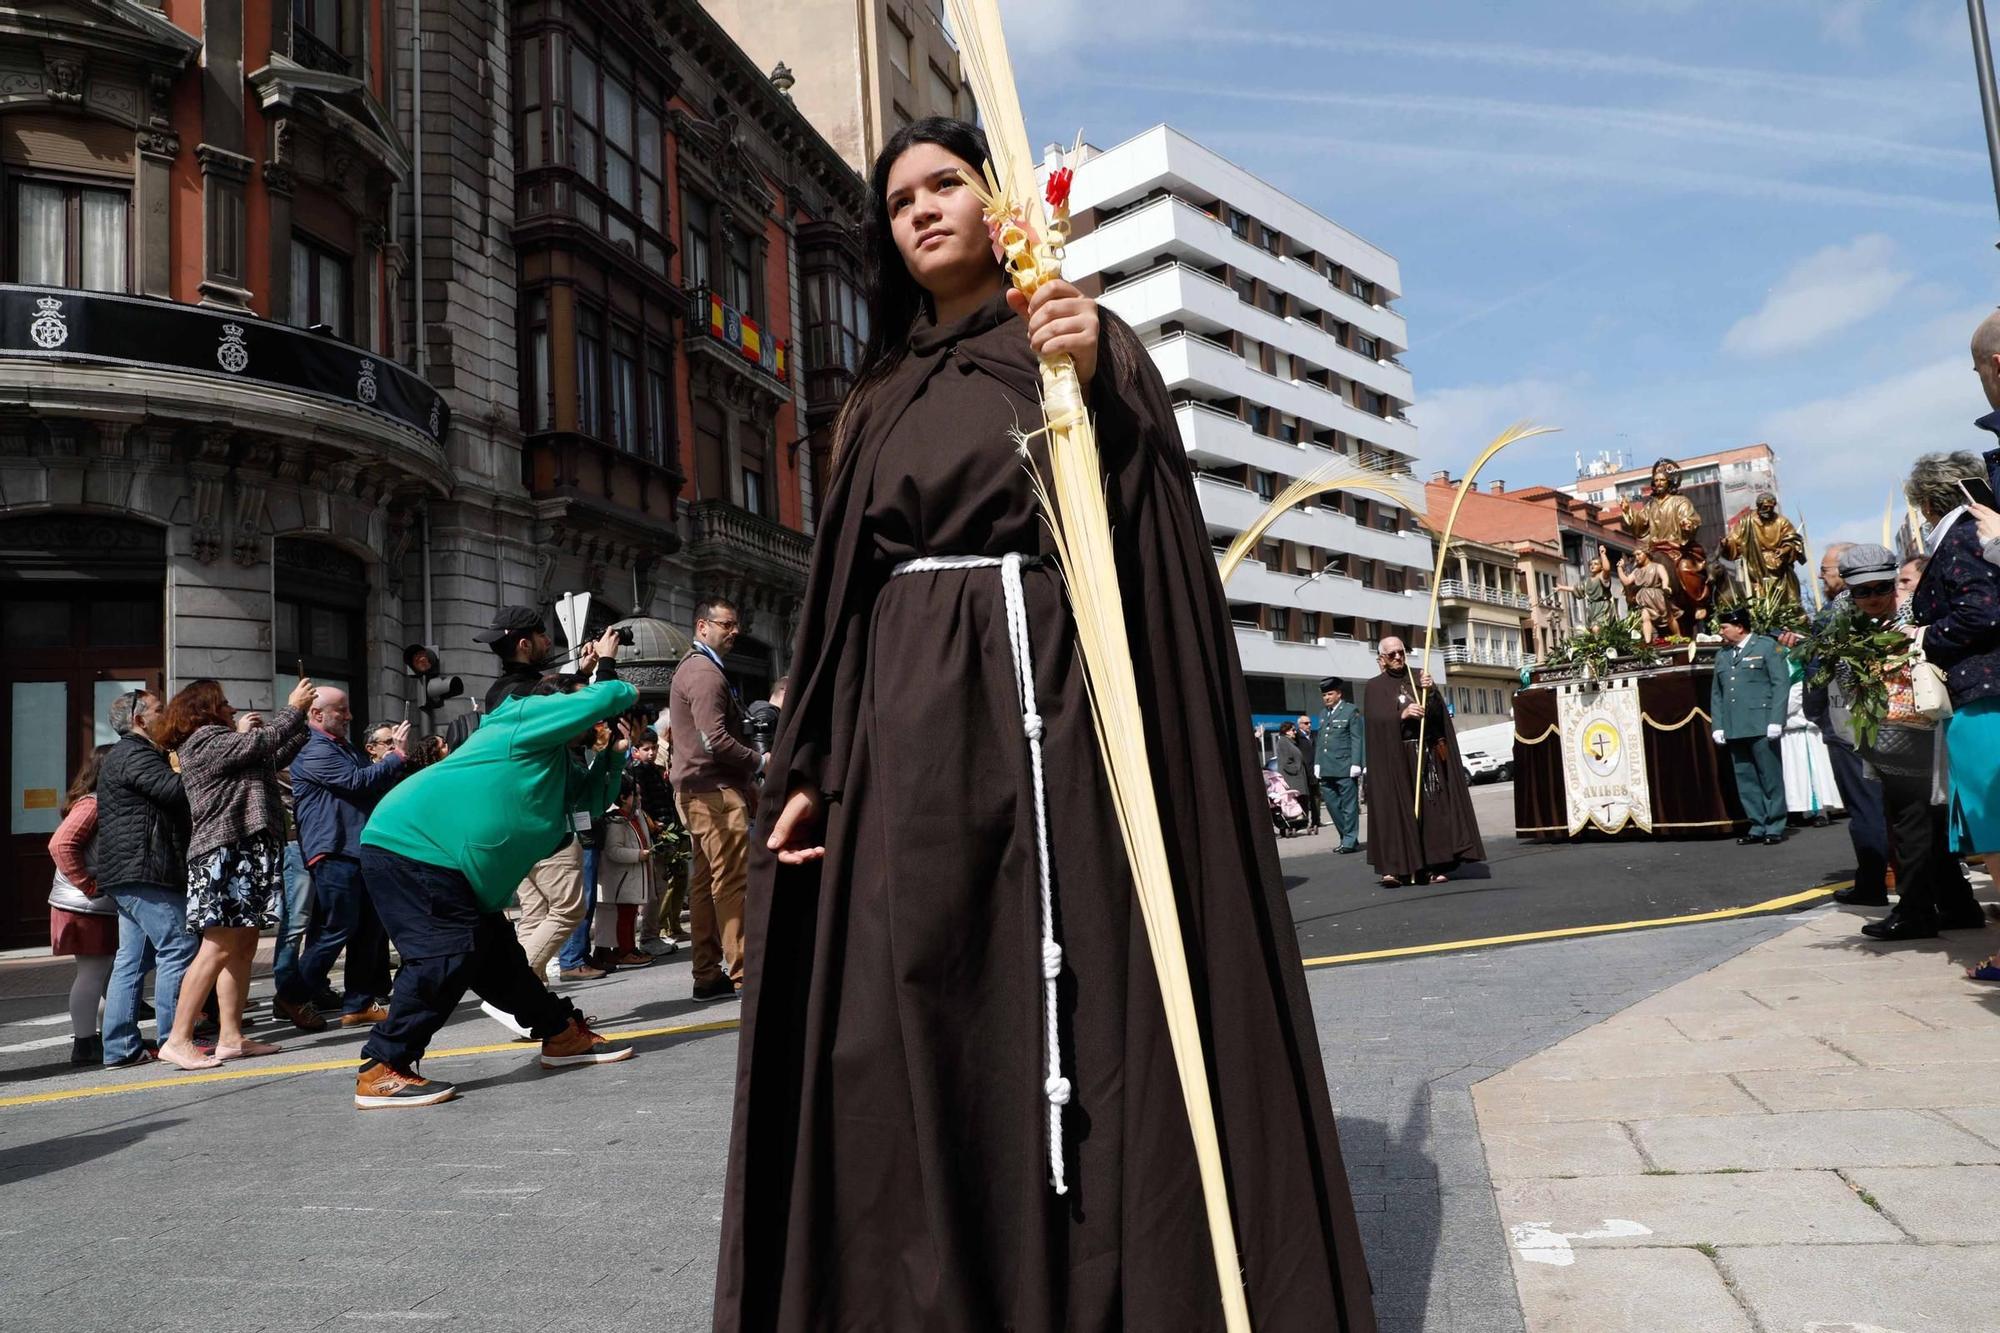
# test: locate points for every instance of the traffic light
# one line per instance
(433, 689)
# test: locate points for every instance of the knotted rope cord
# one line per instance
(1055, 1088)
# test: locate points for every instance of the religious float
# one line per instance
(1612, 737)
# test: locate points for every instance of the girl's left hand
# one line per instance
(1061, 321)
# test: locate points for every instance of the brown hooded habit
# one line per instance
(1400, 843)
(888, 1165)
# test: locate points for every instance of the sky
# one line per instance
(1665, 226)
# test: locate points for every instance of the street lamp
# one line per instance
(1982, 60)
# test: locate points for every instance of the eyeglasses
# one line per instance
(1397, 653)
(723, 624)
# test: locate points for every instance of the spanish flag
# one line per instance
(752, 341)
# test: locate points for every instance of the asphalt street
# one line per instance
(263, 1201)
(1525, 887)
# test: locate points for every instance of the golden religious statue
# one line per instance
(1667, 524)
(1768, 546)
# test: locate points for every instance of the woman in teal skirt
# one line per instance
(1957, 603)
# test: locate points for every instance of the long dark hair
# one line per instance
(85, 782)
(893, 296)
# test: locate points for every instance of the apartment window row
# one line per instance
(1289, 366)
(585, 107)
(624, 381)
(1272, 241)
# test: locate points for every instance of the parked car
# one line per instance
(1481, 767)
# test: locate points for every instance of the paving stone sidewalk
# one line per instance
(1805, 1139)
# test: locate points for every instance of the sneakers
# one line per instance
(636, 959)
(367, 1018)
(145, 1055)
(578, 1045)
(87, 1050)
(660, 948)
(380, 1087)
(722, 988)
(302, 1016)
(506, 1020)
(584, 973)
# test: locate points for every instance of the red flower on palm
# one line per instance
(1058, 189)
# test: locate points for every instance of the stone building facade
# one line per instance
(212, 459)
(299, 365)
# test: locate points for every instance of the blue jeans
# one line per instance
(347, 921)
(152, 932)
(577, 952)
(291, 925)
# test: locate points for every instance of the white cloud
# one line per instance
(1043, 28)
(1824, 293)
(1843, 21)
(1843, 457)
(1453, 425)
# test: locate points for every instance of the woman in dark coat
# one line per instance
(889, 1165)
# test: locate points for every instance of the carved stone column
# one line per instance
(158, 146)
(278, 189)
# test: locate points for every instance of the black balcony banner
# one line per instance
(60, 324)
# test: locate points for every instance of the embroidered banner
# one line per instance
(1604, 755)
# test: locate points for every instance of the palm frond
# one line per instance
(1520, 430)
(1339, 475)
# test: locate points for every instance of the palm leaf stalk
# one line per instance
(1071, 494)
(1338, 475)
(1520, 430)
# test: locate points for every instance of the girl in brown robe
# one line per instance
(889, 1165)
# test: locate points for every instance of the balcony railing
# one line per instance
(313, 51)
(1473, 592)
(718, 326)
(722, 531)
(226, 347)
(1498, 657)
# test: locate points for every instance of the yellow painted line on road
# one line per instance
(260, 1070)
(255, 1070)
(1568, 932)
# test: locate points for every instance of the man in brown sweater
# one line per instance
(713, 775)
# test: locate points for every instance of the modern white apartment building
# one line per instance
(1275, 330)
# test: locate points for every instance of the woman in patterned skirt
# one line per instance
(235, 861)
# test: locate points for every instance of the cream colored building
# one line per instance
(860, 69)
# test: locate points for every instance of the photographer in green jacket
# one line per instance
(442, 855)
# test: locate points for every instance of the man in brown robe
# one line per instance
(1406, 845)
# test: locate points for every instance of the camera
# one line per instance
(624, 636)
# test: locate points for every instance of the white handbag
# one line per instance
(1929, 693)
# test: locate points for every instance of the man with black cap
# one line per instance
(520, 639)
(1747, 709)
(1933, 894)
(1340, 753)
(554, 898)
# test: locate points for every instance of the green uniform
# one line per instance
(1343, 747)
(1746, 700)
(505, 798)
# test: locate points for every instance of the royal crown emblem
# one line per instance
(232, 355)
(48, 329)
(437, 417)
(364, 387)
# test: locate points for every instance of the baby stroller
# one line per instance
(1287, 815)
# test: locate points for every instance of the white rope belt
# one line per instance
(1055, 1087)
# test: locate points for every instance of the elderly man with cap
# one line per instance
(1340, 753)
(1932, 894)
(554, 897)
(1747, 706)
